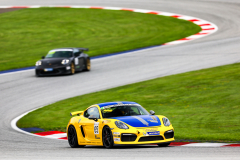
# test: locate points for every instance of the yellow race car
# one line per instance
(113, 123)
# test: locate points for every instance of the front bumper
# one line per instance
(140, 136)
(47, 71)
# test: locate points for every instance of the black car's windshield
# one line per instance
(67, 53)
(124, 110)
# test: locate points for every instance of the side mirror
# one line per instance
(43, 57)
(92, 117)
(152, 112)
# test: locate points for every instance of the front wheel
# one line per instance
(163, 144)
(107, 137)
(72, 137)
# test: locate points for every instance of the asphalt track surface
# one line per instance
(22, 91)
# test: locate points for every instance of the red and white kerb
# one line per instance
(207, 27)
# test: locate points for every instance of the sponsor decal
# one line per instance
(96, 137)
(149, 132)
(51, 52)
(96, 127)
(153, 133)
(117, 105)
(117, 139)
(107, 121)
(145, 134)
(116, 133)
(153, 119)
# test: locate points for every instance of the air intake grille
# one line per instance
(150, 138)
(128, 137)
(169, 134)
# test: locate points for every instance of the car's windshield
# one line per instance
(60, 53)
(123, 110)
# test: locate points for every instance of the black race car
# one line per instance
(63, 61)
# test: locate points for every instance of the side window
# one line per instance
(76, 54)
(134, 111)
(92, 112)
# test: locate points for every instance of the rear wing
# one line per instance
(75, 113)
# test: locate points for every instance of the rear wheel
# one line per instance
(163, 144)
(72, 137)
(72, 68)
(88, 65)
(107, 137)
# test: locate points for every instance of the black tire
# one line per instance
(73, 68)
(107, 137)
(163, 144)
(88, 64)
(37, 74)
(72, 137)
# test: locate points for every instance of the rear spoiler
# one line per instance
(75, 113)
(83, 49)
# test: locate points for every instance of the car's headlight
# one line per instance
(65, 61)
(38, 63)
(121, 125)
(166, 121)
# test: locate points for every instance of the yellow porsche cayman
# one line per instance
(112, 123)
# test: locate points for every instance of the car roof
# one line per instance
(115, 103)
(79, 48)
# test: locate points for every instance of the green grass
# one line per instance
(28, 34)
(202, 105)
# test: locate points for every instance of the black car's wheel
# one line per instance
(72, 137)
(107, 137)
(36, 73)
(72, 68)
(88, 65)
(163, 144)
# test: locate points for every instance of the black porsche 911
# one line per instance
(63, 61)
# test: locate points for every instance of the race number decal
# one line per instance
(96, 127)
(76, 61)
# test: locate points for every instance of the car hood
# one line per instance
(51, 62)
(140, 120)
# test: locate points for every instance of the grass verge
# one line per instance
(202, 105)
(28, 34)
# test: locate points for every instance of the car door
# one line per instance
(78, 60)
(92, 129)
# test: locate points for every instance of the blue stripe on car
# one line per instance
(135, 122)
